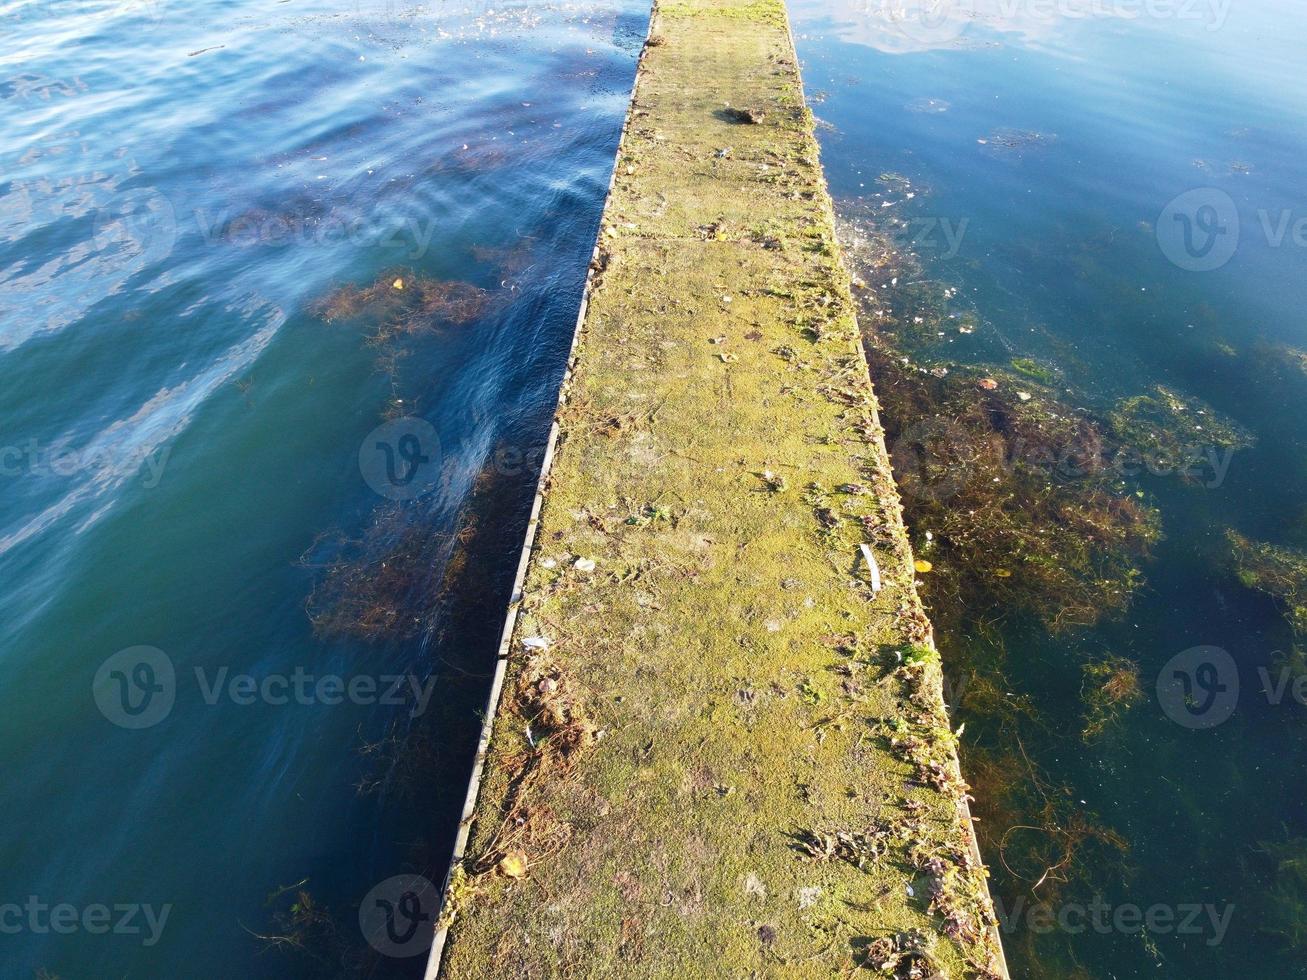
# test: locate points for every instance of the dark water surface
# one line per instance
(1047, 147)
(187, 406)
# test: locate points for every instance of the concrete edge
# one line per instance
(964, 808)
(528, 545)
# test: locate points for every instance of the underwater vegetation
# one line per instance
(1033, 369)
(377, 582)
(401, 307)
(1277, 571)
(1042, 846)
(1020, 491)
(1293, 359)
(303, 927)
(1283, 911)
(1167, 426)
(1013, 488)
(402, 583)
(1006, 141)
(1028, 824)
(376, 585)
(410, 582)
(1110, 687)
(401, 302)
(513, 261)
(1025, 519)
(1284, 359)
(1031, 520)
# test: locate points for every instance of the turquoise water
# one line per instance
(191, 467)
(242, 649)
(1058, 156)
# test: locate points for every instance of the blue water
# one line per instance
(1047, 145)
(193, 476)
(184, 185)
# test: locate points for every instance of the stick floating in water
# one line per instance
(871, 564)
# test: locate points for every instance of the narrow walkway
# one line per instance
(720, 747)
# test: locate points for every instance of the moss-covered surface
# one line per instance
(719, 752)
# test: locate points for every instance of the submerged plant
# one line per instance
(1279, 572)
(1019, 510)
(399, 762)
(402, 302)
(1281, 362)
(301, 925)
(1014, 488)
(1033, 369)
(1171, 428)
(1110, 687)
(1023, 509)
(1016, 140)
(378, 585)
(1032, 828)
(1284, 911)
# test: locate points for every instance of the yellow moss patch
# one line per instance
(765, 781)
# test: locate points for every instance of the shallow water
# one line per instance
(1047, 149)
(189, 447)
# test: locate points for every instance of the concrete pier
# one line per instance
(717, 744)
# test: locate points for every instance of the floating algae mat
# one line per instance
(720, 745)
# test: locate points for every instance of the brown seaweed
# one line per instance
(1022, 505)
(401, 302)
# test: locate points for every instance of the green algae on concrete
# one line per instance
(717, 749)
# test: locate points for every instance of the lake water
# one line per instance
(285, 293)
(1111, 196)
(212, 563)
